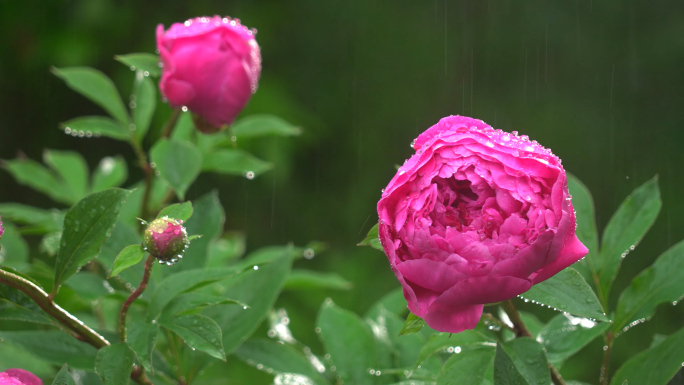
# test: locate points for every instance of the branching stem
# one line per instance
(43, 300)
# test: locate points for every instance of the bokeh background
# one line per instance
(598, 82)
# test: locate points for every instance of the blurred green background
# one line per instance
(599, 82)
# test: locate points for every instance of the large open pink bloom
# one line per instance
(475, 216)
(19, 377)
(210, 65)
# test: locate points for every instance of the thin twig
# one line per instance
(522, 331)
(133, 297)
(42, 299)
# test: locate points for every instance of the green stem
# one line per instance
(171, 123)
(134, 296)
(522, 331)
(608, 339)
(41, 298)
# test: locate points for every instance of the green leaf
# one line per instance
(505, 370)
(372, 239)
(141, 61)
(71, 168)
(114, 363)
(393, 302)
(14, 251)
(24, 214)
(111, 172)
(565, 335)
(661, 282)
(145, 102)
(234, 162)
(567, 291)
(263, 125)
(227, 248)
(394, 351)
(181, 211)
(460, 342)
(89, 286)
(128, 257)
(87, 126)
(349, 342)
(141, 336)
(583, 203)
(12, 311)
(199, 332)
(87, 226)
(528, 357)
(63, 377)
(207, 219)
(315, 280)
(33, 174)
(625, 229)
(54, 346)
(655, 365)
(185, 128)
(468, 368)
(178, 163)
(412, 325)
(193, 301)
(183, 281)
(95, 86)
(257, 288)
(274, 357)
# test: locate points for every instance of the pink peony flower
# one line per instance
(211, 65)
(19, 377)
(166, 239)
(475, 216)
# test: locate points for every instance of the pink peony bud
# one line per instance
(211, 65)
(2, 229)
(166, 239)
(19, 377)
(475, 216)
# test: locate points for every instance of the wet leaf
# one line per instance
(468, 368)
(63, 377)
(95, 86)
(141, 61)
(662, 282)
(199, 332)
(412, 325)
(235, 162)
(141, 337)
(87, 225)
(567, 291)
(565, 335)
(128, 257)
(178, 163)
(111, 172)
(263, 125)
(71, 169)
(655, 365)
(372, 239)
(145, 102)
(349, 342)
(315, 280)
(181, 211)
(54, 346)
(97, 126)
(625, 229)
(113, 364)
(275, 357)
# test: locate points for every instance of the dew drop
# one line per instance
(249, 175)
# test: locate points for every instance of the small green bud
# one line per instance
(166, 239)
